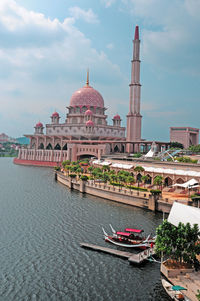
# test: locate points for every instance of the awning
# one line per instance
(184, 214)
(134, 230)
(123, 234)
(189, 184)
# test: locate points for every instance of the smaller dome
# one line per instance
(89, 123)
(55, 114)
(39, 125)
(88, 112)
(117, 117)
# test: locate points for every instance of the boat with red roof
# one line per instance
(131, 238)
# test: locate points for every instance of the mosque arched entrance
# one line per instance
(41, 146)
(139, 177)
(116, 149)
(57, 147)
(82, 157)
(168, 181)
(65, 147)
(49, 146)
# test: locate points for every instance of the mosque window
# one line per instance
(77, 109)
(84, 108)
(92, 109)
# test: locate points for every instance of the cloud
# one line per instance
(43, 62)
(110, 46)
(88, 16)
(169, 37)
(108, 3)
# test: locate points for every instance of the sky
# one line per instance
(46, 47)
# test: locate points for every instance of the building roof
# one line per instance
(184, 214)
(87, 96)
(55, 114)
(39, 125)
(117, 117)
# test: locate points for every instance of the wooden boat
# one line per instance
(135, 234)
(174, 291)
(124, 239)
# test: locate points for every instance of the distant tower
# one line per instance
(134, 118)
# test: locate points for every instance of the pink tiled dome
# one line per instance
(117, 117)
(89, 123)
(39, 125)
(55, 114)
(87, 96)
(88, 112)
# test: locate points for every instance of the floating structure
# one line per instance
(132, 258)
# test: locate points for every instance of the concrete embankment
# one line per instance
(123, 195)
(187, 278)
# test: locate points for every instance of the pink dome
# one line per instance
(39, 125)
(89, 123)
(88, 112)
(55, 114)
(87, 96)
(117, 117)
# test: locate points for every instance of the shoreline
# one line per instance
(126, 196)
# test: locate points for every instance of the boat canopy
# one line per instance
(178, 288)
(134, 230)
(123, 233)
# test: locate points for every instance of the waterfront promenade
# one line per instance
(190, 279)
(118, 194)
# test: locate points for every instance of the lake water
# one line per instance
(41, 226)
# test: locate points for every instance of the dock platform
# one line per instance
(132, 258)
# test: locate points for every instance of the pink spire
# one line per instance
(136, 32)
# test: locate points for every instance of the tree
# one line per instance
(84, 178)
(195, 148)
(144, 179)
(138, 169)
(198, 295)
(130, 180)
(176, 145)
(90, 169)
(64, 163)
(179, 243)
(158, 180)
(105, 168)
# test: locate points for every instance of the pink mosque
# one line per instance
(86, 131)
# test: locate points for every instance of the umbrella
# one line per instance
(178, 288)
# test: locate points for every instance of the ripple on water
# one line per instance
(42, 224)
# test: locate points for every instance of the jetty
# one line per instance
(136, 258)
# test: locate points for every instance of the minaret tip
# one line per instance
(136, 32)
(87, 82)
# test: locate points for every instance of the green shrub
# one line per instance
(116, 184)
(57, 168)
(72, 175)
(84, 178)
(136, 188)
(155, 191)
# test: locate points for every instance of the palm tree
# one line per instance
(138, 169)
(158, 180)
(130, 180)
(144, 179)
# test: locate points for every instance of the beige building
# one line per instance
(186, 135)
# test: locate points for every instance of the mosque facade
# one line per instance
(86, 131)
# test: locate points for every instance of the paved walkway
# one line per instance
(191, 281)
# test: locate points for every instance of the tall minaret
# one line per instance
(134, 118)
